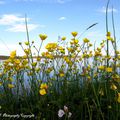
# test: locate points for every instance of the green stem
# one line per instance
(107, 30)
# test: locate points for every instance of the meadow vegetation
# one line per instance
(67, 82)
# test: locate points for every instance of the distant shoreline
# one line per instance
(3, 57)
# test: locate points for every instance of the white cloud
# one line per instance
(16, 23)
(10, 19)
(22, 28)
(62, 18)
(103, 10)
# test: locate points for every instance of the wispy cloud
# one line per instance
(10, 19)
(16, 23)
(62, 18)
(103, 10)
(21, 28)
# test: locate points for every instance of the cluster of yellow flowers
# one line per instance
(72, 55)
(43, 89)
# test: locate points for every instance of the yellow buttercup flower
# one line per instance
(43, 86)
(74, 34)
(88, 78)
(116, 77)
(101, 67)
(26, 43)
(63, 38)
(27, 51)
(0, 83)
(17, 61)
(113, 87)
(85, 40)
(34, 64)
(38, 58)
(90, 45)
(51, 46)
(76, 41)
(13, 54)
(118, 99)
(108, 69)
(61, 74)
(42, 92)
(49, 70)
(108, 34)
(11, 86)
(42, 36)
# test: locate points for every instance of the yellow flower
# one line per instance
(101, 67)
(90, 45)
(42, 91)
(70, 49)
(76, 41)
(101, 92)
(116, 77)
(0, 83)
(110, 39)
(43, 86)
(51, 46)
(38, 58)
(85, 40)
(88, 78)
(117, 52)
(26, 43)
(118, 99)
(74, 34)
(27, 51)
(47, 55)
(99, 49)
(63, 38)
(113, 87)
(108, 34)
(13, 54)
(61, 74)
(17, 61)
(108, 69)
(11, 86)
(42, 36)
(97, 53)
(34, 64)
(24, 57)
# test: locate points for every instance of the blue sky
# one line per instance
(54, 18)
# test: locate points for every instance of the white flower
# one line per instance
(65, 108)
(61, 113)
(69, 114)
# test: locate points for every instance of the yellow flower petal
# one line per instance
(42, 91)
(43, 86)
(74, 34)
(42, 36)
(11, 86)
